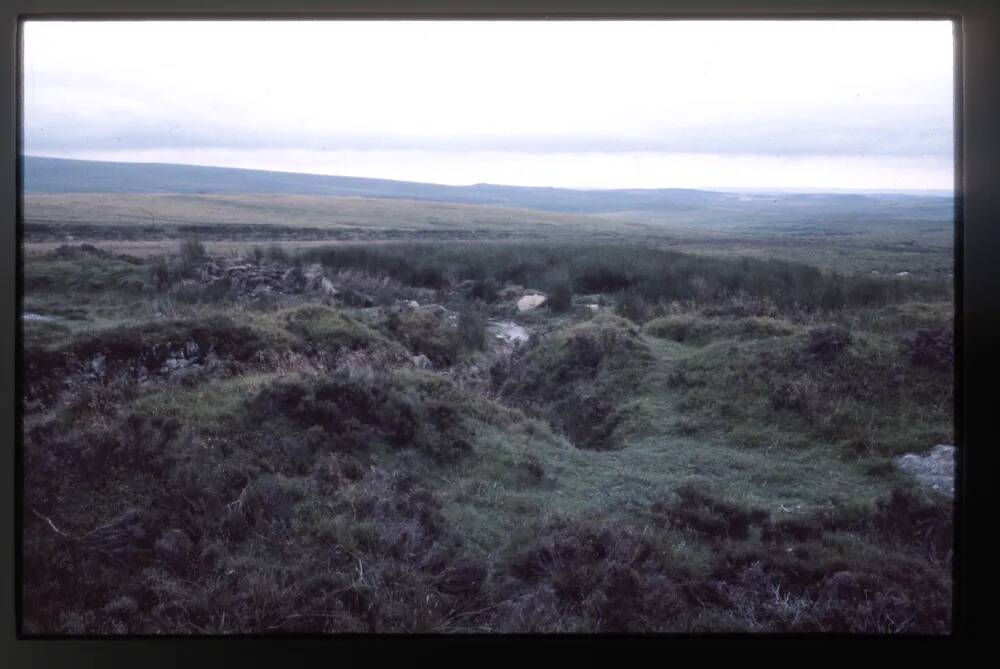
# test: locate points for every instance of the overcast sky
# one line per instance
(819, 104)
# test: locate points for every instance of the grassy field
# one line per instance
(304, 211)
(151, 224)
(216, 442)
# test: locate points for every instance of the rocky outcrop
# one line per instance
(253, 280)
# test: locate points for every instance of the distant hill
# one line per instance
(674, 206)
(58, 175)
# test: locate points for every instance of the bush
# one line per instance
(355, 415)
(332, 331)
(191, 251)
(678, 328)
(428, 333)
(654, 274)
(827, 342)
(277, 254)
(472, 328)
(584, 576)
(159, 273)
(633, 306)
(485, 290)
(930, 348)
(710, 515)
(602, 280)
(560, 299)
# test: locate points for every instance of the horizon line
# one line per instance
(758, 190)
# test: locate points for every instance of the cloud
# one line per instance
(794, 90)
(897, 135)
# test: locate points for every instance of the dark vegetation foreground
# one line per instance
(345, 439)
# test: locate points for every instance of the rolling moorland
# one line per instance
(257, 402)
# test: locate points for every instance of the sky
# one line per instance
(862, 105)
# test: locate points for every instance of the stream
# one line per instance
(509, 332)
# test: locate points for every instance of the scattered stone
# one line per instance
(327, 287)
(935, 470)
(97, 365)
(529, 302)
(176, 362)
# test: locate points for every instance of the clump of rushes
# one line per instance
(472, 328)
(560, 298)
(485, 290)
(277, 254)
(191, 250)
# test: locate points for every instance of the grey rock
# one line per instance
(529, 302)
(936, 469)
(97, 365)
(175, 363)
(422, 362)
(327, 287)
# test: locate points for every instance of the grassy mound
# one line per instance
(861, 392)
(426, 332)
(577, 379)
(84, 271)
(358, 414)
(138, 349)
(288, 468)
(698, 329)
(331, 331)
(703, 562)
